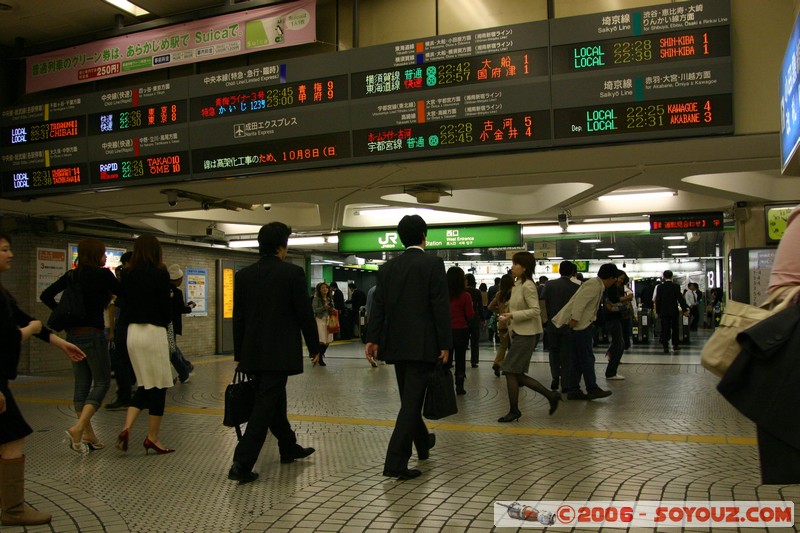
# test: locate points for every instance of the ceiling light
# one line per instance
(678, 254)
(616, 256)
(589, 241)
(333, 261)
(471, 253)
(244, 243)
(673, 238)
(604, 249)
(677, 247)
(541, 229)
(609, 226)
(128, 7)
(306, 241)
(649, 195)
(555, 258)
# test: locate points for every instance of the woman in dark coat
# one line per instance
(16, 327)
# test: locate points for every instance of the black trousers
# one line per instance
(412, 378)
(560, 354)
(617, 347)
(669, 329)
(269, 414)
(474, 327)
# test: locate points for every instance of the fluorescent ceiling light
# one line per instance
(555, 258)
(471, 253)
(636, 196)
(677, 247)
(604, 249)
(541, 229)
(616, 256)
(333, 261)
(677, 254)
(589, 241)
(128, 7)
(244, 243)
(673, 238)
(608, 226)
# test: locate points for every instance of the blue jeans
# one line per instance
(180, 364)
(582, 361)
(93, 374)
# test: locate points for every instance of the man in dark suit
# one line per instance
(667, 300)
(409, 325)
(270, 310)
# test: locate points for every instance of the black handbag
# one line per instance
(440, 395)
(70, 309)
(240, 396)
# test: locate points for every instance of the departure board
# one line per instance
(646, 73)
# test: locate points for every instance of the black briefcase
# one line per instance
(240, 397)
(440, 395)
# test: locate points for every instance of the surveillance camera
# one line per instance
(205, 205)
(172, 198)
(267, 207)
(563, 221)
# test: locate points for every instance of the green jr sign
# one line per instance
(439, 238)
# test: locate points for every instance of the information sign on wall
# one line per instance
(438, 238)
(196, 290)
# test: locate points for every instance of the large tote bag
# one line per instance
(723, 348)
(240, 397)
(440, 395)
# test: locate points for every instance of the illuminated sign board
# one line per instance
(655, 72)
(790, 104)
(683, 222)
(438, 238)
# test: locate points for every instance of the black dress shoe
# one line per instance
(579, 395)
(554, 385)
(405, 473)
(242, 475)
(598, 393)
(297, 453)
(423, 455)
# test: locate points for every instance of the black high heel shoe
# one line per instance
(510, 417)
(554, 399)
(150, 445)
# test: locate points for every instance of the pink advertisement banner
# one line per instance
(227, 35)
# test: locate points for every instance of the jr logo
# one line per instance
(390, 238)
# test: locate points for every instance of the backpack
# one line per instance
(70, 310)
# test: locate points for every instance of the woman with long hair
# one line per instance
(93, 374)
(461, 312)
(525, 328)
(322, 305)
(15, 328)
(499, 305)
(146, 293)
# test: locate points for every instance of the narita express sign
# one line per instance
(680, 222)
(438, 238)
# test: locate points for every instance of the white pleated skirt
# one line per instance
(148, 348)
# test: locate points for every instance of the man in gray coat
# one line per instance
(409, 326)
(270, 310)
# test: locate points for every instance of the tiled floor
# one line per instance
(664, 434)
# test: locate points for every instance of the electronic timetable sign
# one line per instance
(655, 72)
(682, 222)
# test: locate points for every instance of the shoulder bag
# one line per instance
(723, 348)
(70, 310)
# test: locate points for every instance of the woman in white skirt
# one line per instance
(146, 300)
(322, 305)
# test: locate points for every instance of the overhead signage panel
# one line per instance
(438, 238)
(790, 104)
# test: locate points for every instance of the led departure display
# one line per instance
(51, 130)
(41, 180)
(500, 67)
(661, 115)
(654, 72)
(283, 96)
(141, 168)
(682, 222)
(482, 131)
(642, 50)
(136, 118)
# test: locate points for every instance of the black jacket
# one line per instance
(270, 310)
(763, 382)
(410, 316)
(669, 298)
(97, 285)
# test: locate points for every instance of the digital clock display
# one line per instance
(38, 180)
(136, 118)
(642, 50)
(468, 132)
(470, 70)
(141, 168)
(635, 117)
(287, 95)
(52, 130)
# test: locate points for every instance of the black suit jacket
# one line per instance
(270, 310)
(410, 318)
(668, 299)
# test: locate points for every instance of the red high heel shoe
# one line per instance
(150, 445)
(122, 440)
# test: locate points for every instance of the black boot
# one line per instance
(322, 349)
(460, 385)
